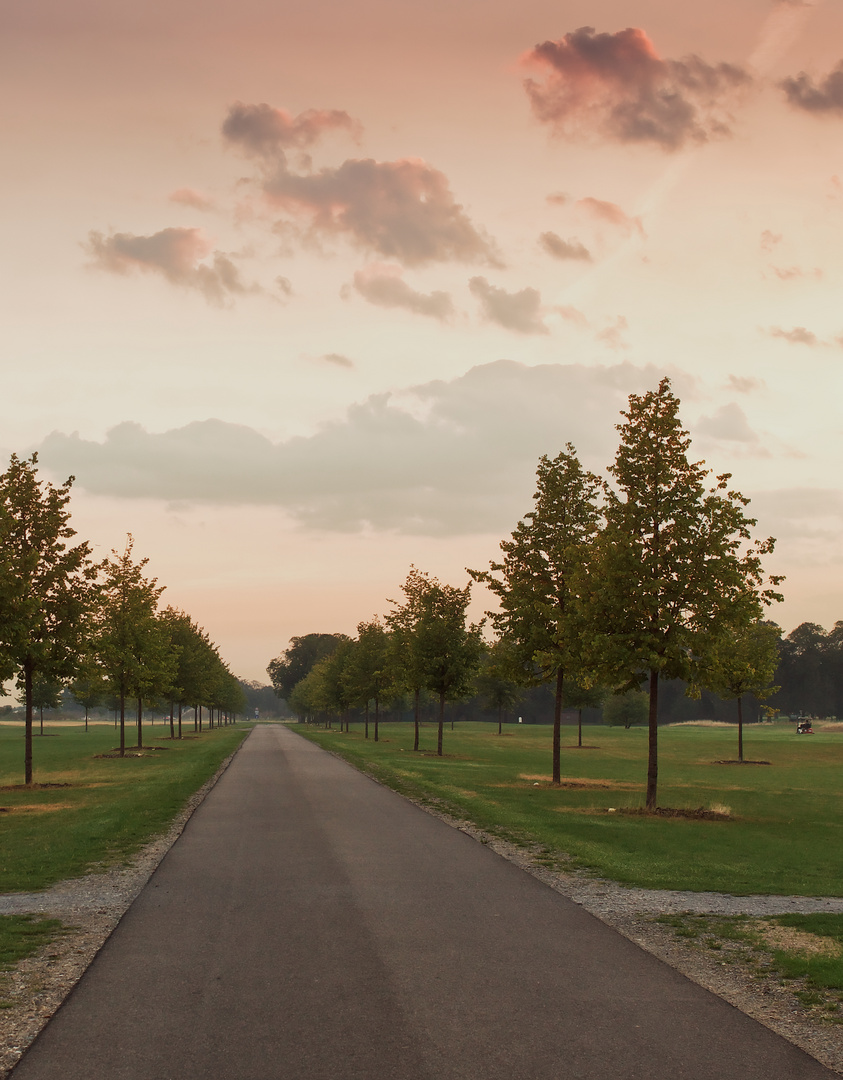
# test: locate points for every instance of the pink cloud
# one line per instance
(612, 214)
(825, 96)
(176, 255)
(564, 249)
(190, 197)
(265, 131)
(520, 311)
(399, 209)
(616, 86)
(384, 286)
(797, 336)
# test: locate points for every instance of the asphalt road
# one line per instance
(311, 925)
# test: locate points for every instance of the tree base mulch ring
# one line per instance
(132, 751)
(734, 761)
(698, 814)
(34, 787)
(585, 746)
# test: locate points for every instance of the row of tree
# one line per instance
(601, 588)
(97, 627)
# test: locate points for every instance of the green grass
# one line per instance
(86, 811)
(824, 972)
(23, 935)
(816, 980)
(783, 834)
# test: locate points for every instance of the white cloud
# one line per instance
(729, 423)
(384, 286)
(442, 458)
(519, 311)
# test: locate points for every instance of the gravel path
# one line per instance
(94, 904)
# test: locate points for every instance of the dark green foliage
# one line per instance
(677, 567)
(45, 585)
(298, 659)
(541, 578)
(625, 710)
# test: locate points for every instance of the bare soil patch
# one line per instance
(699, 813)
(581, 782)
(789, 939)
(733, 761)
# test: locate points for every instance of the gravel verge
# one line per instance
(90, 907)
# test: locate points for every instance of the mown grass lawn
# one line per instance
(86, 811)
(783, 833)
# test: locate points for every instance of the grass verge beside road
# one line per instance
(773, 828)
(88, 811)
(802, 954)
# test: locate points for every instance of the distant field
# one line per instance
(83, 810)
(782, 834)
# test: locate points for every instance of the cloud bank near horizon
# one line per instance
(443, 458)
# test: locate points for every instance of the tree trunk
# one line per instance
(122, 722)
(377, 716)
(500, 719)
(179, 719)
(557, 727)
(41, 717)
(441, 723)
(367, 719)
(27, 753)
(740, 728)
(86, 719)
(140, 723)
(653, 745)
(416, 719)
(200, 719)
(579, 728)
(172, 720)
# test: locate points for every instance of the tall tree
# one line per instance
(46, 585)
(130, 642)
(449, 649)
(366, 674)
(406, 660)
(539, 581)
(46, 694)
(496, 682)
(678, 568)
(88, 688)
(743, 661)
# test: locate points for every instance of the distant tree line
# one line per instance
(603, 589)
(96, 628)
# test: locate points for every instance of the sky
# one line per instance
(300, 293)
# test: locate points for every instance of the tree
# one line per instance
(46, 585)
(448, 650)
(298, 658)
(744, 661)
(131, 644)
(406, 660)
(541, 576)
(677, 566)
(366, 674)
(46, 694)
(88, 688)
(624, 710)
(583, 697)
(495, 683)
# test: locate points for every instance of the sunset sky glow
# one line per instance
(300, 293)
